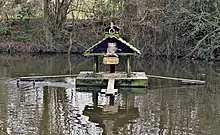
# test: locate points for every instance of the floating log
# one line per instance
(183, 81)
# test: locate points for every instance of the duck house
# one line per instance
(109, 50)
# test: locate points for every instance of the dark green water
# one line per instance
(63, 110)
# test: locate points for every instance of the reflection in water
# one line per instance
(64, 110)
(3, 109)
(13, 66)
(48, 110)
(111, 117)
(44, 122)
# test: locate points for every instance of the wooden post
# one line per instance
(95, 96)
(96, 64)
(112, 68)
(128, 66)
(111, 100)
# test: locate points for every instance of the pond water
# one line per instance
(164, 108)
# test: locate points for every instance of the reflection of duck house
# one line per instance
(110, 117)
(110, 121)
(109, 49)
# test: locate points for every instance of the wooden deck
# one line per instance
(112, 80)
(117, 76)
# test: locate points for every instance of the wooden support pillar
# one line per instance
(112, 68)
(112, 100)
(95, 96)
(128, 70)
(96, 64)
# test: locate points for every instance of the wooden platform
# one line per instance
(121, 79)
(117, 76)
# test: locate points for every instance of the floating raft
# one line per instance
(87, 78)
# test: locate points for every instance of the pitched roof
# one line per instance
(129, 45)
(100, 47)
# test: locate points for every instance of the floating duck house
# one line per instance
(109, 50)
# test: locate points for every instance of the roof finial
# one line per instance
(111, 25)
(112, 31)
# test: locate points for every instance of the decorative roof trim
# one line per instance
(129, 45)
(90, 48)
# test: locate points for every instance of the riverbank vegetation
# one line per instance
(181, 28)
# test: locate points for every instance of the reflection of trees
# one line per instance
(44, 124)
(172, 67)
(3, 109)
(178, 111)
(23, 109)
(52, 122)
(61, 114)
(45, 64)
(63, 64)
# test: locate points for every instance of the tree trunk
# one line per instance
(48, 36)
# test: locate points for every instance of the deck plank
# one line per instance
(110, 88)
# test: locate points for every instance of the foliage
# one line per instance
(197, 29)
(19, 9)
(27, 11)
(186, 28)
(4, 28)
